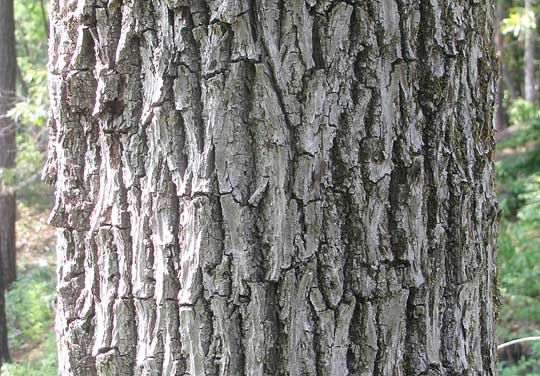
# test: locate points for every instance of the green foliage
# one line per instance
(29, 301)
(31, 31)
(29, 305)
(522, 113)
(525, 117)
(530, 212)
(516, 171)
(29, 157)
(525, 367)
(512, 175)
(29, 161)
(528, 366)
(519, 272)
(518, 185)
(30, 314)
(45, 365)
(518, 21)
(32, 109)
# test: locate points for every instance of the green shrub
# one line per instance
(518, 256)
(29, 305)
(526, 366)
(45, 365)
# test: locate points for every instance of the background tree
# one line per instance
(272, 188)
(8, 69)
(7, 161)
(518, 169)
(4, 349)
(519, 61)
(530, 81)
(500, 110)
(26, 303)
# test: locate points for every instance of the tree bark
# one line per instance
(265, 187)
(530, 82)
(8, 76)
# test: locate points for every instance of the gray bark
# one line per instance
(530, 82)
(8, 74)
(265, 187)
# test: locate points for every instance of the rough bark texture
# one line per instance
(268, 187)
(530, 82)
(8, 73)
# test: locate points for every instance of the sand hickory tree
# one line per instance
(267, 187)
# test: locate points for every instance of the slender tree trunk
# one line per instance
(44, 17)
(4, 349)
(266, 187)
(8, 76)
(513, 93)
(8, 70)
(530, 92)
(500, 110)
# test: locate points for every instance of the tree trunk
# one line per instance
(4, 349)
(8, 70)
(500, 110)
(8, 75)
(529, 58)
(265, 187)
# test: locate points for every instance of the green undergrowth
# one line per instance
(29, 305)
(30, 299)
(518, 188)
(45, 363)
(526, 365)
(30, 314)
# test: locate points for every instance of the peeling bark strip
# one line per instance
(268, 187)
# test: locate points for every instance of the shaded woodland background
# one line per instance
(30, 300)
